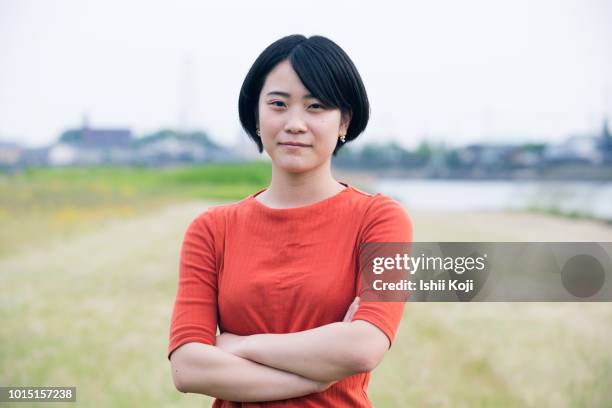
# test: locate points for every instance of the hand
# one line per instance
(231, 343)
(348, 317)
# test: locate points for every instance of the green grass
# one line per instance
(41, 205)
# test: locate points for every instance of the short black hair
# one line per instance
(324, 69)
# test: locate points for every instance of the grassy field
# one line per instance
(39, 206)
(92, 309)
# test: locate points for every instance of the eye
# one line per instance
(317, 106)
(279, 104)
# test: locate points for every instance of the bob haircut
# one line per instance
(324, 69)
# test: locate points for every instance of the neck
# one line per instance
(298, 189)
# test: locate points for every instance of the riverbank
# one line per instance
(566, 172)
(588, 201)
(438, 226)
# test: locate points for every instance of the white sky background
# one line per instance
(447, 70)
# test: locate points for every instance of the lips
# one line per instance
(297, 144)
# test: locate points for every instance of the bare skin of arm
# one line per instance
(204, 369)
(327, 353)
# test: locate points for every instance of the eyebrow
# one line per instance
(286, 95)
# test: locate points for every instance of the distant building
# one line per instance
(34, 157)
(244, 148)
(578, 149)
(97, 138)
(583, 149)
(485, 155)
(62, 154)
(10, 154)
(171, 148)
(88, 146)
(605, 143)
(106, 138)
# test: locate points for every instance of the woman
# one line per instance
(278, 271)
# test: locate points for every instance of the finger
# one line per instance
(351, 310)
(347, 315)
(355, 308)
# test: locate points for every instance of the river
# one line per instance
(592, 199)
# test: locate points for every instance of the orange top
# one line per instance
(251, 269)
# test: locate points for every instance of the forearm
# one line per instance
(203, 369)
(327, 353)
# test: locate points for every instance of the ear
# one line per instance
(345, 121)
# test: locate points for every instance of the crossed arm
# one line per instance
(203, 369)
(267, 367)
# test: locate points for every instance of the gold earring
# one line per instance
(258, 132)
(343, 138)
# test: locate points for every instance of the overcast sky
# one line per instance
(448, 70)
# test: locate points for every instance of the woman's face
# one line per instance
(289, 114)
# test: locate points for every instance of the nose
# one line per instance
(295, 123)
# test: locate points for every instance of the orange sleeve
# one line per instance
(385, 221)
(194, 318)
